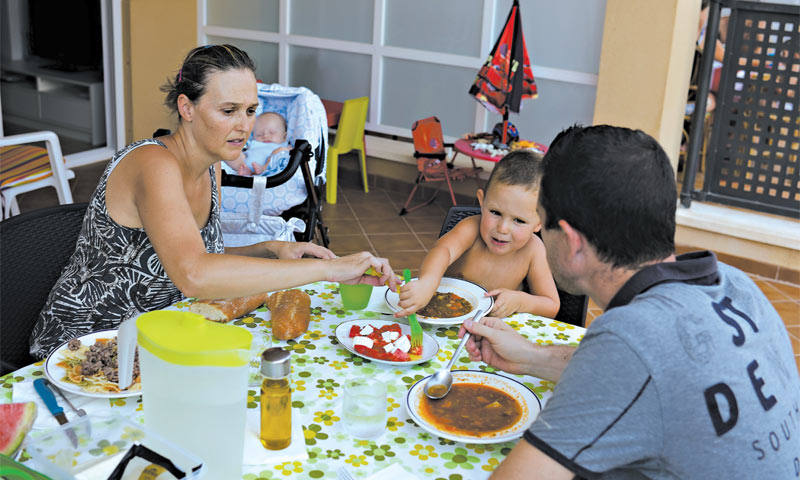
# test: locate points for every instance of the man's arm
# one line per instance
(528, 462)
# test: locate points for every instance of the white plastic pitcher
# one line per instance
(194, 385)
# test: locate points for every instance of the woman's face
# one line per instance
(225, 114)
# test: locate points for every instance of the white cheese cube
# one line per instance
(389, 347)
(363, 341)
(367, 330)
(390, 336)
(403, 344)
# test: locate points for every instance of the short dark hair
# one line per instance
(520, 167)
(616, 186)
(198, 64)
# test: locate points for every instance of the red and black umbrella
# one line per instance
(506, 78)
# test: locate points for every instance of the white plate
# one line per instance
(531, 406)
(430, 347)
(471, 292)
(55, 373)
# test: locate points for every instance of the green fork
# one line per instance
(416, 329)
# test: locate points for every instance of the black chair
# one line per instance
(34, 248)
(310, 210)
(573, 307)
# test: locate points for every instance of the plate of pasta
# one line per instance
(95, 353)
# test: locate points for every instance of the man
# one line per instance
(689, 372)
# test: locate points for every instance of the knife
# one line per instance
(52, 404)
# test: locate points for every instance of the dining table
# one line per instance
(319, 368)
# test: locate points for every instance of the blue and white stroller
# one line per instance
(286, 206)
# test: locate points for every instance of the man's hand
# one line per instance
(497, 344)
(415, 295)
(506, 302)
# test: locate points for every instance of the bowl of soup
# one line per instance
(481, 407)
(454, 301)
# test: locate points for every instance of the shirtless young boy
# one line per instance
(497, 249)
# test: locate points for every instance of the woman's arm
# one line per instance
(160, 192)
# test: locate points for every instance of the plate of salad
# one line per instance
(384, 341)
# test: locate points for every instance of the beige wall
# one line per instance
(158, 34)
(645, 64)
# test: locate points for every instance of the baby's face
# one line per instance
(269, 129)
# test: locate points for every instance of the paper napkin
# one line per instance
(24, 392)
(256, 454)
(393, 471)
(377, 301)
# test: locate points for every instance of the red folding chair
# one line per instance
(431, 154)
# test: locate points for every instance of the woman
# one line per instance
(151, 234)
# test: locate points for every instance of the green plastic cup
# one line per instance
(355, 297)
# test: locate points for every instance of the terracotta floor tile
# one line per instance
(400, 260)
(384, 225)
(789, 312)
(772, 293)
(428, 239)
(788, 275)
(349, 243)
(797, 361)
(396, 242)
(792, 291)
(340, 226)
(424, 224)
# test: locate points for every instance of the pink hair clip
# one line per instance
(180, 74)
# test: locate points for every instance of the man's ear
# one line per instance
(575, 239)
(480, 197)
(185, 108)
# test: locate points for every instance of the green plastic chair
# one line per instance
(349, 136)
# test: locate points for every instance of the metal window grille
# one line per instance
(753, 153)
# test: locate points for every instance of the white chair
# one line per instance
(27, 167)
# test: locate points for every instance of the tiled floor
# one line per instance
(369, 221)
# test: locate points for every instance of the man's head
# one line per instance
(616, 187)
(270, 127)
(508, 208)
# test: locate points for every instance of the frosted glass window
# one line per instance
(567, 34)
(260, 15)
(559, 105)
(340, 20)
(330, 74)
(444, 26)
(415, 90)
(265, 55)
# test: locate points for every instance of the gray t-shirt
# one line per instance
(688, 374)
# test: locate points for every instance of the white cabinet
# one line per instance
(69, 103)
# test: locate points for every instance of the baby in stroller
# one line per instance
(268, 152)
(284, 205)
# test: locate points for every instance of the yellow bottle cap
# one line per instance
(186, 338)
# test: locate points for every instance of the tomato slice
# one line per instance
(354, 331)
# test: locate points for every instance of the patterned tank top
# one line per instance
(114, 273)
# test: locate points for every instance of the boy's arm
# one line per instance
(543, 292)
(447, 250)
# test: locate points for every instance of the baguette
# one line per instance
(227, 310)
(291, 313)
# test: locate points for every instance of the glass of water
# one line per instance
(364, 407)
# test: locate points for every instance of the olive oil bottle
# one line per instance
(276, 399)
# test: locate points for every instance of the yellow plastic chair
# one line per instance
(349, 136)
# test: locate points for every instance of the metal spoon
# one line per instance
(438, 385)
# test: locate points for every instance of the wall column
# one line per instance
(645, 65)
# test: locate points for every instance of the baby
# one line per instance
(266, 150)
(497, 249)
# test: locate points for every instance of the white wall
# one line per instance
(416, 58)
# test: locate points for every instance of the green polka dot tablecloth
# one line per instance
(320, 367)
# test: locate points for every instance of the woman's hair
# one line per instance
(199, 63)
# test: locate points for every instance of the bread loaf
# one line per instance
(291, 312)
(226, 310)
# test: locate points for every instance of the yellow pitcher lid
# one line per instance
(186, 338)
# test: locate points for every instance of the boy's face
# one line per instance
(269, 129)
(508, 217)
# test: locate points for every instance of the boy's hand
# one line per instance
(506, 302)
(415, 295)
(243, 170)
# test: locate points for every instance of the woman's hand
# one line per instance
(293, 250)
(415, 295)
(352, 268)
(506, 302)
